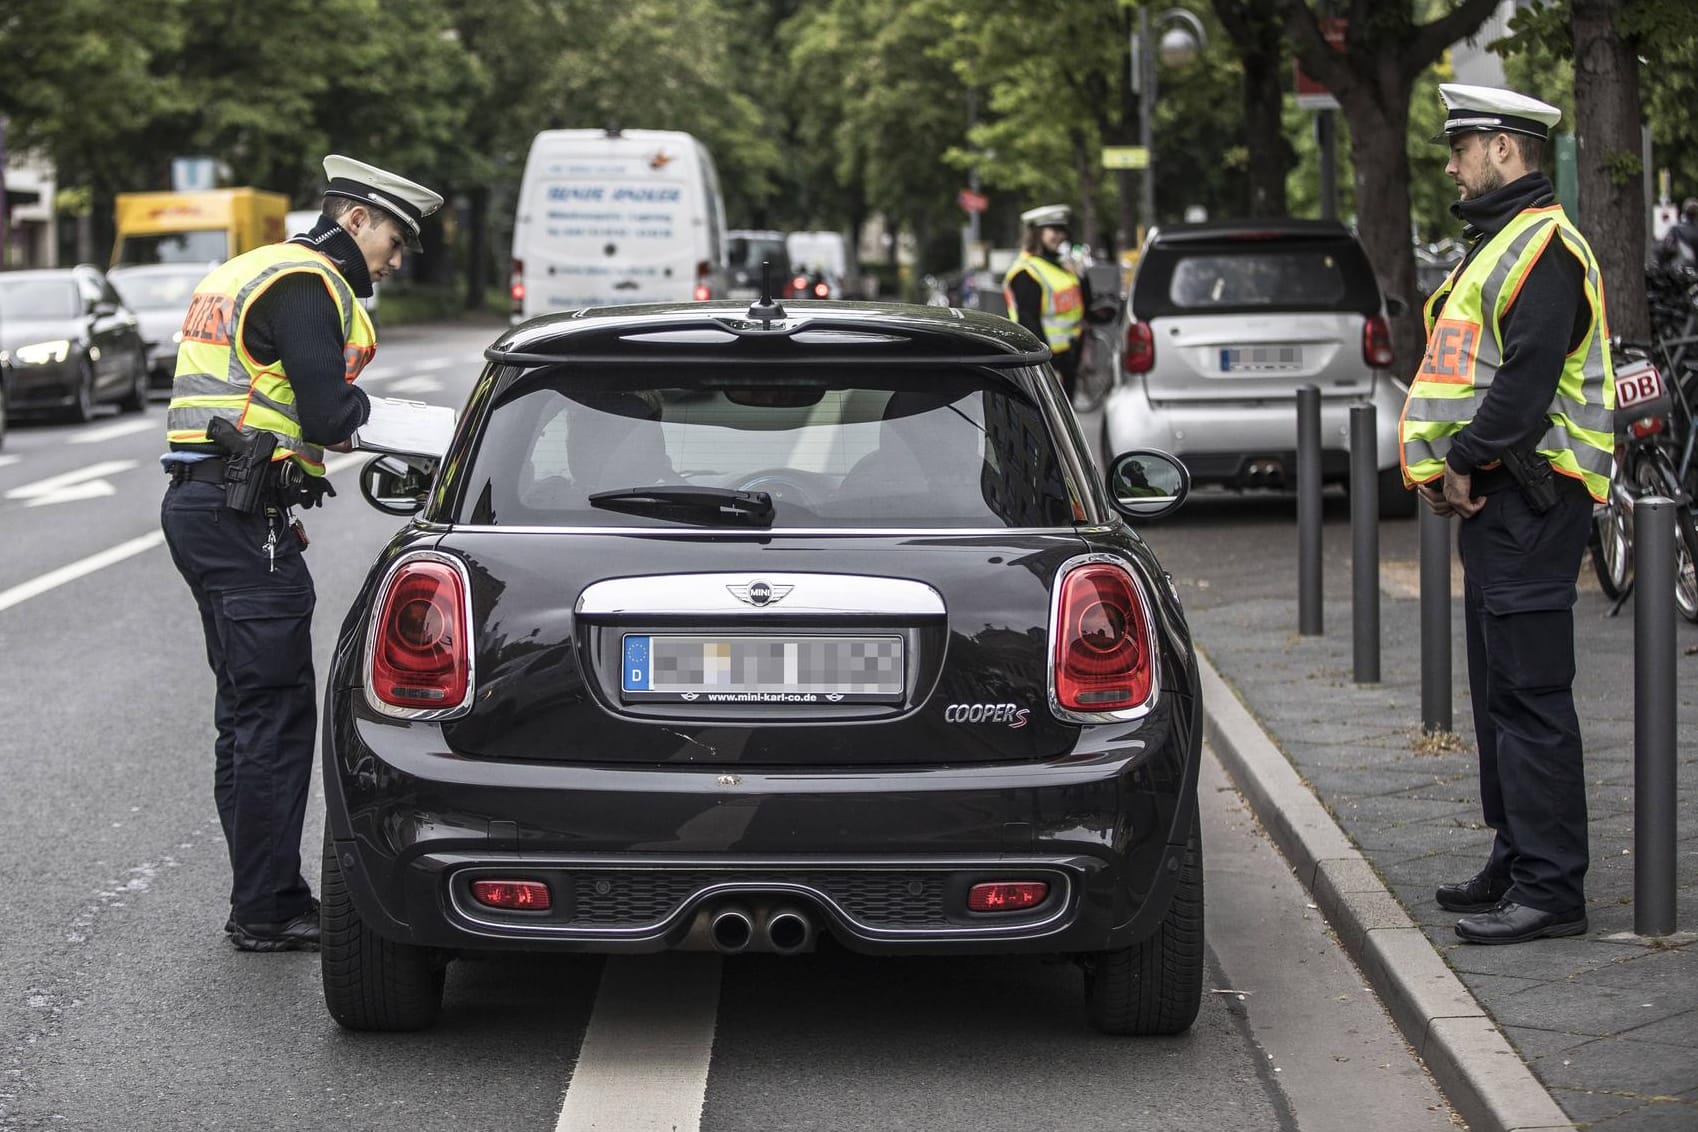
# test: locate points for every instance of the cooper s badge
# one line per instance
(1012, 714)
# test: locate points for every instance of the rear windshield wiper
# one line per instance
(691, 504)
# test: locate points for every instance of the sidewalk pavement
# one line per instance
(1606, 1022)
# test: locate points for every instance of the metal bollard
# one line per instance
(1654, 709)
(1435, 622)
(1365, 544)
(1309, 510)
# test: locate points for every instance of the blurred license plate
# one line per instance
(778, 670)
(1260, 359)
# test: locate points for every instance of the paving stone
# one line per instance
(1532, 1043)
(1612, 1065)
(1678, 1030)
(1651, 1117)
(1578, 1007)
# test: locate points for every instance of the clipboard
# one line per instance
(406, 428)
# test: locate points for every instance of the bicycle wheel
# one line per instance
(1612, 549)
(1654, 475)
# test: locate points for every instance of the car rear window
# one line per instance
(889, 447)
(749, 252)
(1254, 276)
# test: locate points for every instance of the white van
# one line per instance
(607, 218)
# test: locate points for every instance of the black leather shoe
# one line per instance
(1479, 893)
(1510, 922)
(298, 934)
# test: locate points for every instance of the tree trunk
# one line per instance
(1379, 126)
(1608, 131)
(1085, 231)
(477, 247)
(1264, 131)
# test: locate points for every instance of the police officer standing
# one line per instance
(1509, 424)
(271, 346)
(1043, 293)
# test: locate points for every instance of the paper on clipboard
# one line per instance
(410, 428)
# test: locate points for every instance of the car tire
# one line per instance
(1155, 987)
(82, 409)
(136, 399)
(371, 983)
(1396, 501)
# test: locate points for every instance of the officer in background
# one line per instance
(1679, 245)
(271, 345)
(1044, 294)
(1509, 424)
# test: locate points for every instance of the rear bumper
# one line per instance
(1225, 441)
(637, 858)
(49, 386)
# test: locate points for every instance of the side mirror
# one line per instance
(1396, 307)
(396, 486)
(1145, 483)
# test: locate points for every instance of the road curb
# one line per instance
(1473, 1063)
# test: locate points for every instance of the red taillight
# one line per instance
(1140, 352)
(1376, 342)
(702, 294)
(1007, 896)
(822, 290)
(1646, 426)
(515, 895)
(419, 657)
(1102, 644)
(516, 286)
(799, 286)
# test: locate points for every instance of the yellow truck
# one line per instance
(207, 226)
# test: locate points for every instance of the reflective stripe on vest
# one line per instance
(1063, 303)
(1465, 349)
(217, 377)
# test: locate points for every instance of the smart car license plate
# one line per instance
(1260, 359)
(779, 670)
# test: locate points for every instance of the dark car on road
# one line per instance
(740, 628)
(159, 295)
(69, 343)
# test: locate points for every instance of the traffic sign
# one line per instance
(1312, 95)
(971, 201)
(1125, 157)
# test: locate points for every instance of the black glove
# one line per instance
(312, 491)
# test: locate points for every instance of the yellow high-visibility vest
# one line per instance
(1465, 349)
(216, 377)
(1064, 302)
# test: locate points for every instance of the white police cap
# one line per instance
(1048, 216)
(407, 201)
(1491, 109)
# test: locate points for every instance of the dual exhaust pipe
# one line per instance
(786, 930)
(1264, 473)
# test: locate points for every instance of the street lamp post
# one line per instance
(1182, 37)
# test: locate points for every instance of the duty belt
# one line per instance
(201, 471)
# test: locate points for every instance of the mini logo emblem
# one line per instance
(729, 780)
(688, 695)
(759, 593)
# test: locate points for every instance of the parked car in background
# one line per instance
(818, 260)
(1224, 321)
(747, 250)
(304, 220)
(69, 343)
(728, 628)
(159, 296)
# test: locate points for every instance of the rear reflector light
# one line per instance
(1007, 895)
(1376, 342)
(1646, 426)
(516, 286)
(1140, 352)
(515, 895)
(420, 660)
(1102, 643)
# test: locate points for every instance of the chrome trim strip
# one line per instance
(766, 534)
(382, 595)
(686, 907)
(1123, 714)
(807, 594)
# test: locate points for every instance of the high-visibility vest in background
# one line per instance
(217, 378)
(1064, 302)
(1464, 351)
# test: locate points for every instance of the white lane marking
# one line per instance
(643, 1066)
(53, 579)
(419, 384)
(82, 483)
(435, 363)
(122, 428)
(4, 460)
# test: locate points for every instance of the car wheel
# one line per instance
(136, 399)
(1396, 501)
(82, 409)
(371, 983)
(1156, 986)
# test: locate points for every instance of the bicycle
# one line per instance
(1643, 466)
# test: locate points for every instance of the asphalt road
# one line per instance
(123, 1007)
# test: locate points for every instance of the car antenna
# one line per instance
(765, 308)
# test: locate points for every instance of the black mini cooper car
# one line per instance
(726, 628)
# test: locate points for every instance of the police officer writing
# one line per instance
(271, 346)
(1043, 293)
(1509, 424)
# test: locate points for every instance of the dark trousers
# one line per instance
(1067, 368)
(256, 610)
(1519, 571)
